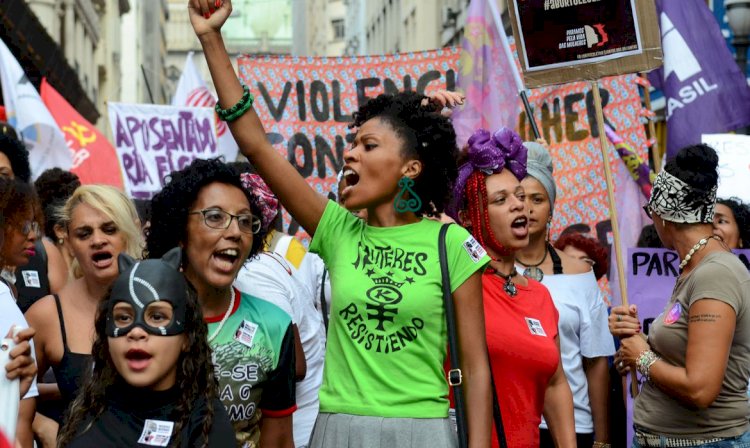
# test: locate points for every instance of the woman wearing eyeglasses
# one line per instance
(205, 210)
(585, 342)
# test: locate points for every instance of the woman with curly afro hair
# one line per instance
(205, 210)
(383, 380)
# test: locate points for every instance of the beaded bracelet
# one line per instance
(645, 360)
(236, 111)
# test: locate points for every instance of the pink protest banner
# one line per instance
(306, 104)
(566, 118)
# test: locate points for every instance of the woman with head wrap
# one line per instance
(520, 318)
(584, 341)
(695, 358)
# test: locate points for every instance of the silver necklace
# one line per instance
(698, 246)
(509, 287)
(532, 271)
(226, 316)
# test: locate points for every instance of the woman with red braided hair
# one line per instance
(520, 318)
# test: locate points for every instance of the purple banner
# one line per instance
(705, 91)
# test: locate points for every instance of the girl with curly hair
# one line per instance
(732, 222)
(152, 382)
(521, 319)
(383, 380)
(205, 210)
(584, 340)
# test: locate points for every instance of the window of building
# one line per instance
(338, 29)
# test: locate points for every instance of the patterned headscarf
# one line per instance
(268, 202)
(676, 201)
(490, 154)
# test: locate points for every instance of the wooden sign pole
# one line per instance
(655, 150)
(612, 212)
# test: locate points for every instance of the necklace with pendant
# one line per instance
(509, 287)
(533, 271)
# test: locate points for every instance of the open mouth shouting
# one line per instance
(227, 259)
(138, 360)
(102, 259)
(520, 227)
(351, 178)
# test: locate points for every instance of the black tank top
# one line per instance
(32, 280)
(72, 367)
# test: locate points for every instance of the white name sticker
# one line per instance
(246, 333)
(31, 279)
(535, 327)
(474, 249)
(156, 433)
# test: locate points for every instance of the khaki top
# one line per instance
(720, 276)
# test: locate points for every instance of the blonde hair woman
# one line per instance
(100, 223)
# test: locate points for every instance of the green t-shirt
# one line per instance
(387, 337)
(253, 357)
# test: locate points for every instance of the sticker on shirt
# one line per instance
(474, 249)
(156, 433)
(246, 333)
(673, 315)
(535, 327)
(31, 279)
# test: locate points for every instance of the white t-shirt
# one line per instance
(11, 315)
(269, 277)
(583, 333)
(311, 270)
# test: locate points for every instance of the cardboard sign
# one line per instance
(734, 164)
(574, 40)
(152, 141)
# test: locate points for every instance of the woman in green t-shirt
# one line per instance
(383, 380)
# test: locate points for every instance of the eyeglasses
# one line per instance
(29, 226)
(647, 209)
(221, 220)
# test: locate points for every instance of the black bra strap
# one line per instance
(62, 322)
(556, 261)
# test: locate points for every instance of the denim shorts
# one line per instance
(741, 441)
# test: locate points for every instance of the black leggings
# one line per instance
(582, 440)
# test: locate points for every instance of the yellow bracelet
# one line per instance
(602, 445)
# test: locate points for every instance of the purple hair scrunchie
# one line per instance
(490, 154)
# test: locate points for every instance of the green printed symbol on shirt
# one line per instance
(377, 327)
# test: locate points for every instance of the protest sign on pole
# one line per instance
(652, 274)
(94, 157)
(152, 141)
(734, 164)
(306, 104)
(561, 41)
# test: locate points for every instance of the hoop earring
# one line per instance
(407, 199)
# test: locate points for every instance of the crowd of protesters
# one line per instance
(197, 322)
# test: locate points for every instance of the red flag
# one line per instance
(94, 158)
